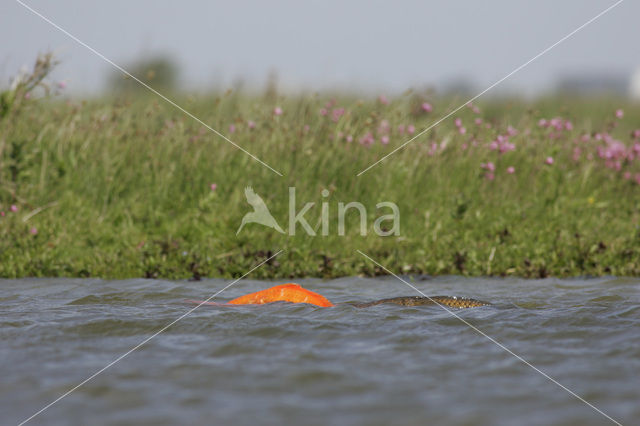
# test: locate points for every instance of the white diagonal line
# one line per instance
(77, 40)
(145, 341)
(496, 342)
(492, 86)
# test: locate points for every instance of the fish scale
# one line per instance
(450, 301)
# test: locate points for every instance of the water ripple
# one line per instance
(284, 363)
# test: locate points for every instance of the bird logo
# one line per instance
(260, 213)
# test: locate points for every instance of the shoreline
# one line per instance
(130, 187)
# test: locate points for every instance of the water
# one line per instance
(300, 364)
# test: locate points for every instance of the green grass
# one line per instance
(121, 188)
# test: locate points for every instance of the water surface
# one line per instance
(301, 364)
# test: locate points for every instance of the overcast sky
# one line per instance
(372, 45)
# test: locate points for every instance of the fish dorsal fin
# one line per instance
(289, 292)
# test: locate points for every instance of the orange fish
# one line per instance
(290, 292)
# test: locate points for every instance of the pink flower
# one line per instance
(458, 122)
(557, 122)
(401, 128)
(511, 170)
(473, 107)
(619, 113)
(636, 133)
(614, 150)
(576, 154)
(383, 100)
(337, 113)
(489, 166)
(349, 138)
(505, 146)
(462, 130)
(62, 85)
(2, 214)
(13, 208)
(627, 175)
(637, 178)
(213, 186)
(411, 129)
(232, 128)
(27, 95)
(277, 110)
(511, 131)
(383, 127)
(251, 124)
(384, 139)
(478, 121)
(426, 107)
(33, 231)
(323, 111)
(549, 160)
(489, 175)
(543, 123)
(367, 139)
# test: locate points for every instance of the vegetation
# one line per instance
(159, 72)
(130, 186)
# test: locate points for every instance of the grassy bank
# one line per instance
(121, 187)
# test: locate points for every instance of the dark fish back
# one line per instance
(450, 301)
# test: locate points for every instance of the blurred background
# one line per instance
(364, 46)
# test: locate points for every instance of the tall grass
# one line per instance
(121, 187)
